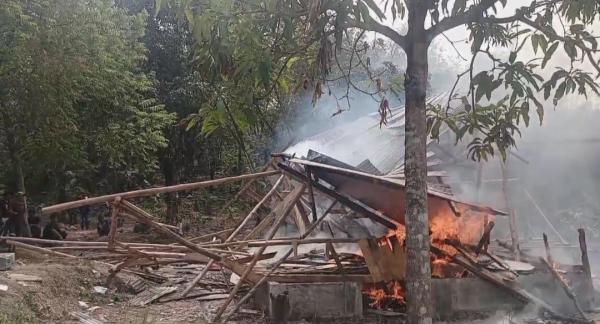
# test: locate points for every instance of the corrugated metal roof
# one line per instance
(363, 139)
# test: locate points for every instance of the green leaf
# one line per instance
(549, 54)
(560, 91)
(543, 42)
(512, 57)
(535, 42)
(570, 49)
(540, 112)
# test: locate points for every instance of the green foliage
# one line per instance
(73, 97)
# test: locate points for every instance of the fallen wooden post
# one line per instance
(152, 192)
(40, 249)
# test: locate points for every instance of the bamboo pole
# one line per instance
(286, 241)
(211, 235)
(288, 204)
(142, 216)
(238, 228)
(277, 264)
(153, 191)
(40, 249)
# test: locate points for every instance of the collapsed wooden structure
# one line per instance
(326, 221)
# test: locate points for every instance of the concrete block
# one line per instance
(314, 300)
(7, 260)
(455, 295)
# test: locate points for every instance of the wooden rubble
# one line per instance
(246, 250)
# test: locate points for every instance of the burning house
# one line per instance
(331, 243)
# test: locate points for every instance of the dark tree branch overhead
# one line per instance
(474, 13)
(372, 25)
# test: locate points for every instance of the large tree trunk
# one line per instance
(22, 222)
(418, 280)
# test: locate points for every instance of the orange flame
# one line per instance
(392, 290)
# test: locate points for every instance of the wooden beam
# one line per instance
(143, 217)
(153, 191)
(313, 207)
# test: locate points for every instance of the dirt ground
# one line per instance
(67, 287)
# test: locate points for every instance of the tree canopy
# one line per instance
(74, 100)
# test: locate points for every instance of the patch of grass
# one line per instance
(18, 313)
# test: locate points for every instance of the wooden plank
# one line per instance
(149, 295)
(385, 262)
(152, 191)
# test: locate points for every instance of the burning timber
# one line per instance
(332, 245)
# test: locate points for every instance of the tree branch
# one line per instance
(372, 25)
(474, 13)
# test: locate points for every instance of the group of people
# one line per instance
(13, 211)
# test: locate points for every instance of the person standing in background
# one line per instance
(84, 214)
